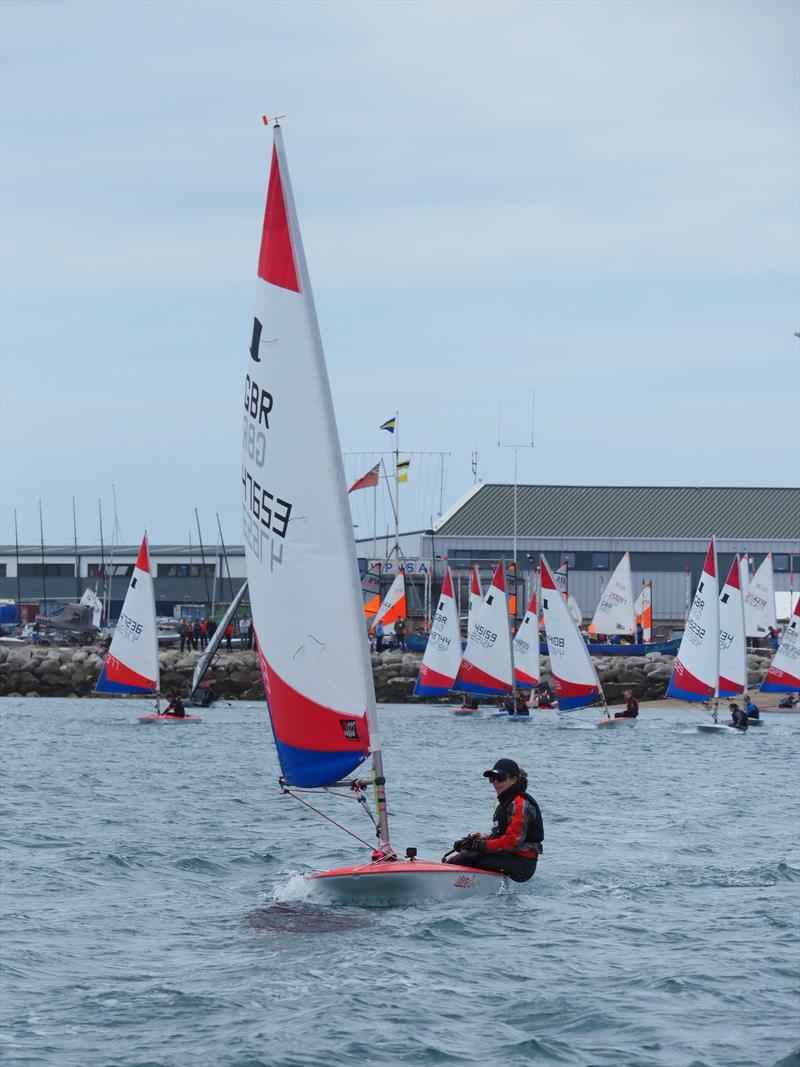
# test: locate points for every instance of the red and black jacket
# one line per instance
(517, 825)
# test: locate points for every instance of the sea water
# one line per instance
(154, 911)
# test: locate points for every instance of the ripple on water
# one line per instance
(670, 874)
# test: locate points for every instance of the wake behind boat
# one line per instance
(305, 592)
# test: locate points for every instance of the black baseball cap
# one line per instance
(503, 767)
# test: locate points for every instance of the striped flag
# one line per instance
(368, 480)
(402, 469)
(389, 425)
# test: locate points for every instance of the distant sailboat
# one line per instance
(615, 612)
(759, 601)
(695, 673)
(527, 671)
(393, 605)
(442, 656)
(303, 577)
(132, 664)
(732, 645)
(783, 675)
(487, 666)
(475, 596)
(643, 609)
(574, 675)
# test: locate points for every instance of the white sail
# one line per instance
(783, 675)
(442, 656)
(132, 664)
(475, 597)
(571, 665)
(299, 547)
(759, 601)
(487, 665)
(526, 648)
(695, 674)
(732, 644)
(615, 612)
(574, 609)
(92, 601)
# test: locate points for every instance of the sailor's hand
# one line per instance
(470, 841)
(478, 844)
(461, 844)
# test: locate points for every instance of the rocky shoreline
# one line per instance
(32, 671)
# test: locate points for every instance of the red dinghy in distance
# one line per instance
(305, 591)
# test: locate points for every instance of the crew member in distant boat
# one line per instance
(515, 842)
(751, 710)
(631, 706)
(789, 701)
(544, 695)
(738, 717)
(175, 708)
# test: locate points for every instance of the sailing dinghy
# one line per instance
(442, 656)
(205, 659)
(302, 574)
(571, 666)
(783, 675)
(131, 664)
(487, 667)
(527, 672)
(695, 673)
(615, 612)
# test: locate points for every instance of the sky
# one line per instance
(571, 222)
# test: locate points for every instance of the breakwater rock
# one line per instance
(27, 670)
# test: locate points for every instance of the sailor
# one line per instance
(751, 709)
(738, 718)
(175, 708)
(515, 842)
(631, 706)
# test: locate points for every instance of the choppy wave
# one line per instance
(156, 914)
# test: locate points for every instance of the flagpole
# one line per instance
(375, 520)
(397, 485)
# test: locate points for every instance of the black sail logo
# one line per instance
(256, 341)
(349, 728)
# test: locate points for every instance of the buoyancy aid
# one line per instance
(517, 824)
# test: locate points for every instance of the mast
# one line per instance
(225, 557)
(41, 543)
(202, 558)
(77, 561)
(16, 555)
(397, 485)
(104, 618)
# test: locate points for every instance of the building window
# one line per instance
(780, 562)
(600, 561)
(121, 570)
(185, 570)
(51, 570)
(2, 570)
